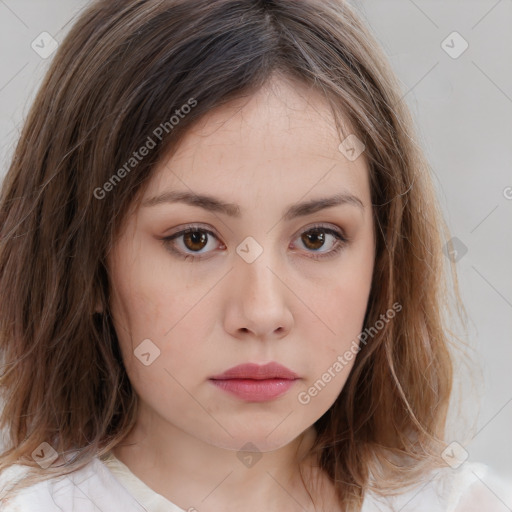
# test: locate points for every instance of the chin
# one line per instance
(264, 440)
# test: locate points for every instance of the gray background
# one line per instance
(463, 109)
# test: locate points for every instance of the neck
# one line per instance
(194, 474)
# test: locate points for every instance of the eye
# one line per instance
(195, 241)
(319, 237)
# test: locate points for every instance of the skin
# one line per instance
(209, 315)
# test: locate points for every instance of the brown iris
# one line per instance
(314, 237)
(195, 238)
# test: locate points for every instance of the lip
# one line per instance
(257, 372)
(256, 383)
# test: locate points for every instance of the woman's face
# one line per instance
(253, 282)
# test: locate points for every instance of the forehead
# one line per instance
(281, 138)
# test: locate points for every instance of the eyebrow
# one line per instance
(214, 204)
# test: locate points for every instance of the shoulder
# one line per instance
(473, 487)
(88, 489)
(487, 491)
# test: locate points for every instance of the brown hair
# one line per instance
(123, 70)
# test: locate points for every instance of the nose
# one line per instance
(258, 299)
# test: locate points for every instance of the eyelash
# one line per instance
(341, 241)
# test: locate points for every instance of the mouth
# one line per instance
(256, 383)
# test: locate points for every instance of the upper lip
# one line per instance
(257, 372)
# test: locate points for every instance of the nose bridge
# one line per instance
(258, 294)
(255, 268)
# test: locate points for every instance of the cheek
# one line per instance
(334, 352)
(341, 304)
(160, 314)
(153, 294)
(343, 310)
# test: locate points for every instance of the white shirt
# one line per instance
(109, 485)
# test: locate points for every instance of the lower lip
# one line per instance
(255, 390)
